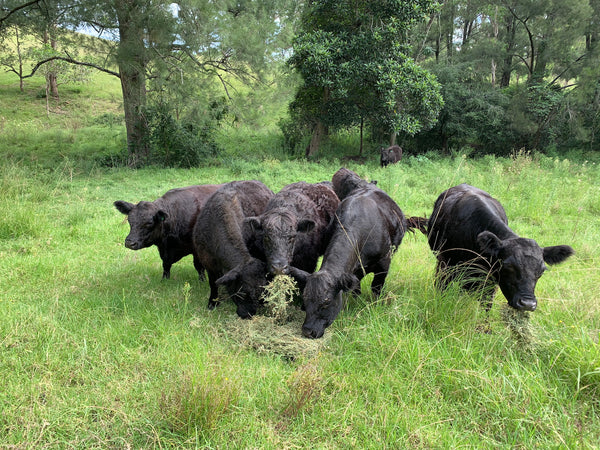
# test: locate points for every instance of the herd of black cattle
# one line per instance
(243, 234)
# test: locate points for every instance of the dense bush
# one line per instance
(179, 143)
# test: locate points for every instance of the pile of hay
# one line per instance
(519, 325)
(279, 330)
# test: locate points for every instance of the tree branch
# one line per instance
(16, 9)
(72, 61)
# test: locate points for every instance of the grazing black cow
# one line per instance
(295, 226)
(345, 182)
(468, 231)
(167, 222)
(368, 227)
(223, 244)
(390, 155)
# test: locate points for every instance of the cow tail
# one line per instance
(417, 223)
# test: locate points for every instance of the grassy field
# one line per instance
(97, 351)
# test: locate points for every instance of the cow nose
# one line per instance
(527, 304)
(131, 244)
(279, 269)
(311, 333)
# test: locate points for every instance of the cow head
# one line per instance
(322, 296)
(384, 158)
(245, 284)
(523, 262)
(146, 222)
(279, 228)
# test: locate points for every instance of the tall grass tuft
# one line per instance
(305, 385)
(193, 404)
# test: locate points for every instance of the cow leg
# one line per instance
(360, 274)
(380, 270)
(166, 269)
(167, 261)
(199, 267)
(214, 290)
(378, 281)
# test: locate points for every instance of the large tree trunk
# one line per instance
(315, 140)
(507, 66)
(319, 130)
(132, 70)
(51, 78)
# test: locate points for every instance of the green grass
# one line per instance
(97, 351)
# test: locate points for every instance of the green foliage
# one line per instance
(181, 143)
(519, 70)
(352, 57)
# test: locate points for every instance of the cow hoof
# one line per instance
(212, 304)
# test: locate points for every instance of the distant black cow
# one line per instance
(167, 222)
(223, 244)
(295, 226)
(390, 155)
(468, 231)
(368, 227)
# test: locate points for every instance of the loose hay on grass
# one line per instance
(279, 331)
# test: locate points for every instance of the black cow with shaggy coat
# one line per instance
(468, 231)
(167, 222)
(368, 227)
(225, 246)
(295, 226)
(390, 155)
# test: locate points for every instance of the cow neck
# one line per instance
(501, 230)
(231, 235)
(342, 254)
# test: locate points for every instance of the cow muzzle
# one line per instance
(132, 245)
(279, 269)
(526, 304)
(311, 333)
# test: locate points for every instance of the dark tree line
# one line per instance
(492, 75)
(515, 74)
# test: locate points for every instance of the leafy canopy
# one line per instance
(352, 56)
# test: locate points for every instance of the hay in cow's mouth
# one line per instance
(519, 325)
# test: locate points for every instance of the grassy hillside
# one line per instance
(97, 351)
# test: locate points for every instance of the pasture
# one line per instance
(96, 351)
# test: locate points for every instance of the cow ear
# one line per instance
(557, 253)
(300, 276)
(123, 207)
(305, 226)
(160, 216)
(489, 243)
(348, 282)
(229, 277)
(254, 223)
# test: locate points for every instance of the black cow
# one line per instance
(223, 244)
(390, 155)
(368, 227)
(468, 231)
(167, 222)
(345, 182)
(296, 226)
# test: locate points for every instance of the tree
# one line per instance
(352, 56)
(159, 45)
